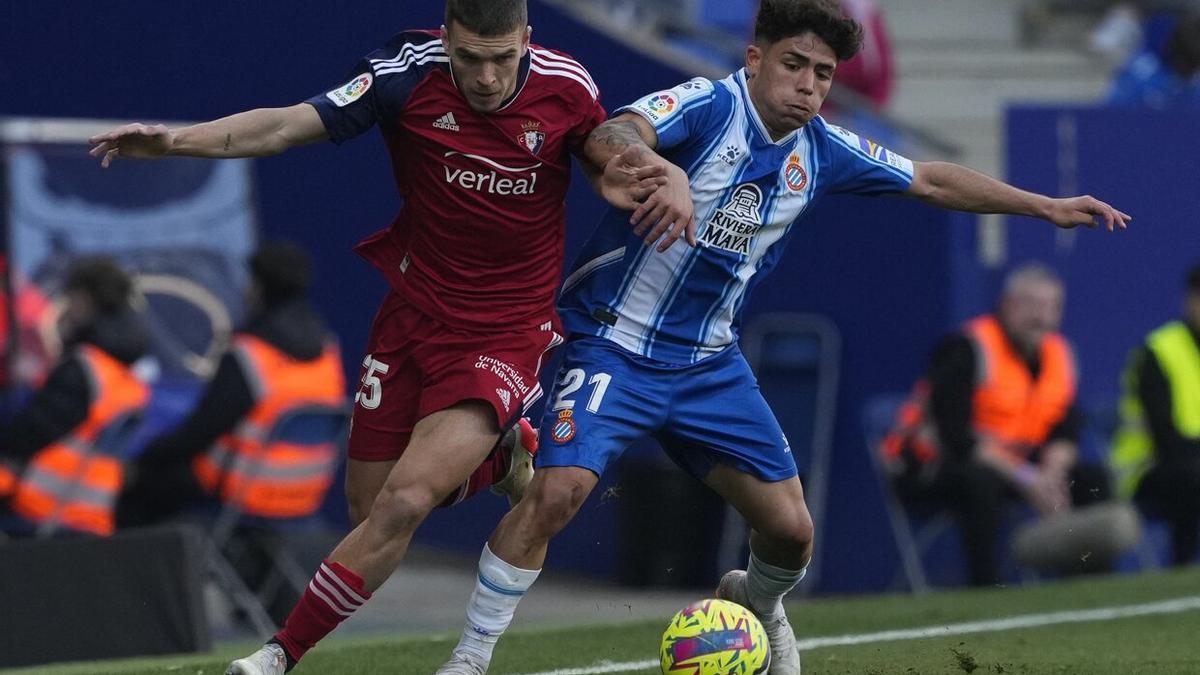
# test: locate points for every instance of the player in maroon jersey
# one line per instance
(480, 125)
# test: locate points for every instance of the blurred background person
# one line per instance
(995, 418)
(54, 468)
(1166, 78)
(1156, 452)
(283, 357)
(871, 73)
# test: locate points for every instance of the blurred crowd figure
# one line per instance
(1158, 45)
(57, 472)
(994, 420)
(283, 357)
(1156, 452)
(870, 73)
(65, 462)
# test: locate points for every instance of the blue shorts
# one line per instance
(605, 398)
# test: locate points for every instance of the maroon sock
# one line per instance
(331, 597)
(494, 468)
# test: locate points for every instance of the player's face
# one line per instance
(789, 80)
(485, 68)
(1030, 311)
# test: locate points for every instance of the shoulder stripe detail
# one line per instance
(550, 58)
(410, 48)
(563, 68)
(560, 73)
(409, 56)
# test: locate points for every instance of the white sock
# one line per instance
(766, 585)
(498, 589)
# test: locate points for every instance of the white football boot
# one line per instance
(462, 664)
(269, 660)
(521, 444)
(785, 656)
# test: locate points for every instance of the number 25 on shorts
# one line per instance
(572, 380)
(370, 392)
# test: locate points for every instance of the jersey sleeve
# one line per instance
(378, 86)
(681, 113)
(862, 166)
(592, 115)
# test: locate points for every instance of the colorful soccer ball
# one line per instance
(714, 637)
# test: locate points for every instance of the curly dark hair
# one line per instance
(488, 18)
(779, 19)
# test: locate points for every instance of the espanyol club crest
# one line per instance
(564, 427)
(794, 174)
(530, 136)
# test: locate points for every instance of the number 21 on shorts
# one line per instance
(571, 382)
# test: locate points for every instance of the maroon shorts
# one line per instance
(416, 365)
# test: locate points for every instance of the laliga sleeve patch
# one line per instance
(658, 106)
(351, 91)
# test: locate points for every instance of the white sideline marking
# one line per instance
(1175, 606)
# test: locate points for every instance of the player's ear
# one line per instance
(525, 40)
(445, 35)
(754, 55)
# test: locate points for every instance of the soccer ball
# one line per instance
(714, 637)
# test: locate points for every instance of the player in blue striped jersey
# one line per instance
(654, 328)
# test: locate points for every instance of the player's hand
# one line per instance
(136, 141)
(1086, 210)
(630, 177)
(668, 213)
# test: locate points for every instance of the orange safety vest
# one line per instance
(9, 475)
(71, 480)
(1009, 405)
(279, 480)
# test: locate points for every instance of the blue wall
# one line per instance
(1119, 286)
(889, 272)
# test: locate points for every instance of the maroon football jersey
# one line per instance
(479, 239)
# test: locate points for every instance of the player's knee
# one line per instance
(552, 504)
(401, 510)
(793, 532)
(359, 507)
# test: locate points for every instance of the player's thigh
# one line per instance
(445, 448)
(601, 402)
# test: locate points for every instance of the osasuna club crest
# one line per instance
(530, 137)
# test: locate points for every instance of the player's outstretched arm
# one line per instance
(254, 133)
(661, 200)
(952, 186)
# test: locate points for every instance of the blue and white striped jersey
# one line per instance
(684, 305)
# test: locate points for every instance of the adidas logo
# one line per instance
(504, 397)
(447, 122)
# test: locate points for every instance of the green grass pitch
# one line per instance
(1158, 643)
